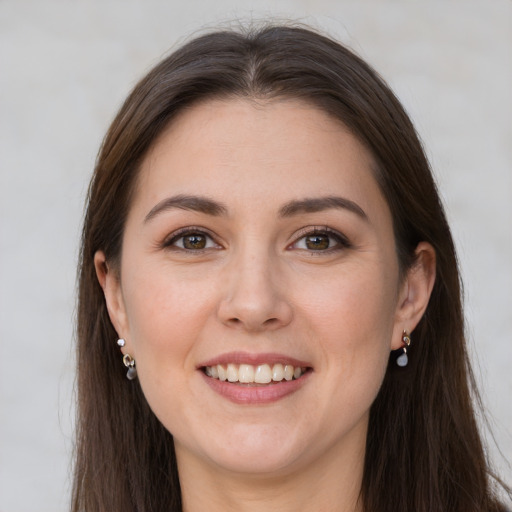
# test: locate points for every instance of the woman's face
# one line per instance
(258, 245)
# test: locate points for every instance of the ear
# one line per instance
(110, 283)
(414, 292)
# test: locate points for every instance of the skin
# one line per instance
(258, 287)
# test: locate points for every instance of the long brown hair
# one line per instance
(424, 451)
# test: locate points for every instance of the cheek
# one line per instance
(165, 316)
(357, 306)
(354, 322)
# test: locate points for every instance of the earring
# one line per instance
(120, 342)
(129, 362)
(402, 360)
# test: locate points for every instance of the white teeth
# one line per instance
(278, 372)
(232, 373)
(222, 372)
(247, 373)
(263, 374)
(288, 372)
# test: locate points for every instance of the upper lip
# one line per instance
(254, 359)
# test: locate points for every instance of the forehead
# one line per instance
(253, 151)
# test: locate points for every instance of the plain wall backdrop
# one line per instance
(66, 66)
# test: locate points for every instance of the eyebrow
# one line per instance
(210, 207)
(318, 204)
(186, 202)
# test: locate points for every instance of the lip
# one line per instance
(256, 394)
(254, 359)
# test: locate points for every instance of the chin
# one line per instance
(255, 461)
(251, 449)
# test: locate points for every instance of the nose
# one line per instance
(254, 296)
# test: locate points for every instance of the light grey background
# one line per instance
(64, 69)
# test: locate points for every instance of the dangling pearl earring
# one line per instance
(129, 362)
(403, 359)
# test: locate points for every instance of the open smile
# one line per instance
(255, 379)
(252, 374)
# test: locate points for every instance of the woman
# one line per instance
(265, 242)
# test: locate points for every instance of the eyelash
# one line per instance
(341, 242)
(170, 243)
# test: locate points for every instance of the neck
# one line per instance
(332, 482)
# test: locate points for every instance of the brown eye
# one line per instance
(322, 240)
(317, 242)
(194, 241)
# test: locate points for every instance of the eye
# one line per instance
(191, 240)
(321, 240)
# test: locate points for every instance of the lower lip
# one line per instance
(247, 394)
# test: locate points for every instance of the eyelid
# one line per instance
(170, 239)
(341, 239)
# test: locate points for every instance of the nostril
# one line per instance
(269, 323)
(254, 313)
(234, 322)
